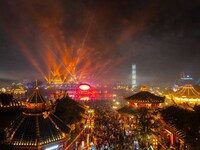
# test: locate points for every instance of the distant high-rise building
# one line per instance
(133, 75)
(185, 77)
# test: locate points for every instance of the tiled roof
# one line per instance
(145, 97)
(36, 97)
(36, 128)
(36, 131)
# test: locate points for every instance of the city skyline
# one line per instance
(100, 39)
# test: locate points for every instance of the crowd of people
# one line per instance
(109, 132)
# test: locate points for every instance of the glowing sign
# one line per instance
(84, 98)
(84, 87)
(55, 147)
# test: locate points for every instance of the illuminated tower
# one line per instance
(133, 75)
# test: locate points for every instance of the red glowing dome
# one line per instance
(85, 92)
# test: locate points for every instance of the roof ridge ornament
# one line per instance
(143, 88)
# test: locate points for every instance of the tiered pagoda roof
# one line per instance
(37, 128)
(145, 96)
(36, 97)
(187, 91)
(35, 131)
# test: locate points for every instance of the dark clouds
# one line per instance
(161, 37)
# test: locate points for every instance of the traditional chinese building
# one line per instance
(37, 128)
(139, 113)
(145, 99)
(187, 94)
(7, 101)
(19, 93)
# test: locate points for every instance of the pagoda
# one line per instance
(145, 99)
(37, 128)
(187, 94)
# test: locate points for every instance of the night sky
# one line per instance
(162, 37)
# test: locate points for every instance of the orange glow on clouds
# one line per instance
(55, 54)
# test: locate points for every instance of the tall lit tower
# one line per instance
(133, 75)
